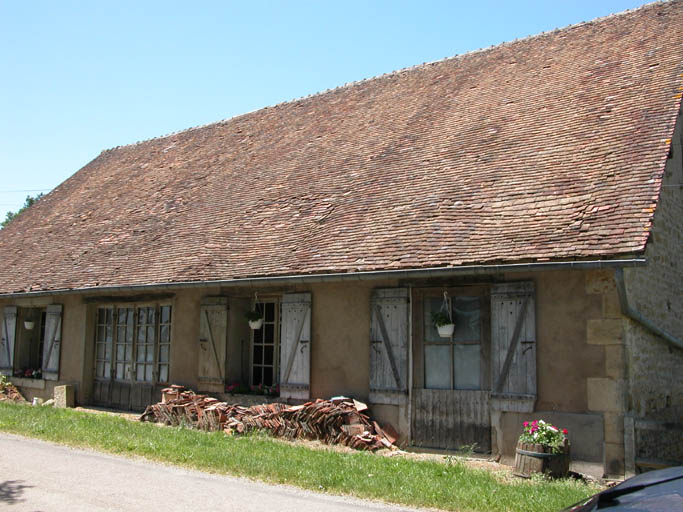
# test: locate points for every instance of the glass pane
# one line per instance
(267, 376)
(129, 352)
(120, 352)
(150, 315)
(100, 369)
(100, 333)
(129, 332)
(109, 315)
(258, 335)
(270, 312)
(140, 374)
(100, 351)
(129, 371)
(437, 367)
(140, 353)
(141, 333)
(148, 373)
(163, 373)
(107, 352)
(119, 371)
(256, 375)
(163, 353)
(163, 335)
(107, 370)
(150, 353)
(110, 332)
(165, 314)
(258, 354)
(466, 366)
(150, 334)
(466, 316)
(269, 333)
(431, 305)
(121, 334)
(268, 354)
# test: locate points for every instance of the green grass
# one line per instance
(395, 479)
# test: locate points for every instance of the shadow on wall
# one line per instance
(11, 491)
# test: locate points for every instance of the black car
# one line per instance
(660, 490)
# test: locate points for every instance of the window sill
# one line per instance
(22, 382)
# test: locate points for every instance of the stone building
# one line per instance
(531, 191)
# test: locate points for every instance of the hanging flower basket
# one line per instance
(445, 330)
(542, 448)
(255, 319)
(256, 324)
(29, 325)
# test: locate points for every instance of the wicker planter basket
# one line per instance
(536, 458)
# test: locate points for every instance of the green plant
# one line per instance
(440, 318)
(252, 316)
(3, 383)
(540, 432)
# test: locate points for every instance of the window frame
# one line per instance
(113, 360)
(276, 341)
(419, 296)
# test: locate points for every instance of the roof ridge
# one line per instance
(348, 85)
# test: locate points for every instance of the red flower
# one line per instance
(565, 431)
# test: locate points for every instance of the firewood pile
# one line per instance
(8, 392)
(336, 421)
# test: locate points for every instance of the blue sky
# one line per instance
(81, 77)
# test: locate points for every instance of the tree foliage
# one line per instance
(27, 204)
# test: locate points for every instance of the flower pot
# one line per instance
(256, 324)
(537, 458)
(29, 325)
(446, 330)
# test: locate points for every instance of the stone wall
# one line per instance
(655, 367)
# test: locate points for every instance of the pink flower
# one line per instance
(526, 423)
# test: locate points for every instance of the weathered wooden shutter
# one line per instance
(389, 345)
(53, 342)
(513, 346)
(213, 330)
(9, 329)
(295, 341)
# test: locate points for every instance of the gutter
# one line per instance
(636, 316)
(465, 270)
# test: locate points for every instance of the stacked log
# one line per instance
(337, 421)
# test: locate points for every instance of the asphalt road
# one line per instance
(39, 476)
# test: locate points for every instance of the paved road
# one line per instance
(39, 476)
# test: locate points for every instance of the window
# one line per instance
(132, 342)
(455, 362)
(265, 351)
(30, 341)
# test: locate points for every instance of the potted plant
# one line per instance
(443, 323)
(542, 448)
(255, 319)
(29, 325)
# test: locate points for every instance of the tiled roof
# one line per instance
(552, 147)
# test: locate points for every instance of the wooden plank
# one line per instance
(514, 342)
(295, 344)
(213, 343)
(387, 346)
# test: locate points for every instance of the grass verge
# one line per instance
(364, 475)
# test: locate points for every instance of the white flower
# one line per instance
(553, 428)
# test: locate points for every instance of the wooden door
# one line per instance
(295, 339)
(451, 391)
(213, 332)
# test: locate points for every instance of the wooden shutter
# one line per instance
(9, 329)
(53, 341)
(513, 344)
(213, 331)
(389, 345)
(295, 341)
